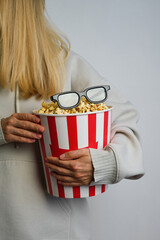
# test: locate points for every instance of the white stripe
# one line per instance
(68, 192)
(47, 141)
(62, 132)
(54, 186)
(106, 187)
(109, 126)
(46, 136)
(84, 191)
(82, 131)
(43, 166)
(98, 189)
(99, 129)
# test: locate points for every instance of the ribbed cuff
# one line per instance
(105, 167)
(2, 139)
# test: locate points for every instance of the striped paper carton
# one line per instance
(71, 132)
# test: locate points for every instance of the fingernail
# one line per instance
(38, 136)
(40, 129)
(62, 156)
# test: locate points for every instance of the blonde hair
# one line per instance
(32, 54)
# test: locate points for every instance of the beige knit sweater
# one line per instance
(27, 211)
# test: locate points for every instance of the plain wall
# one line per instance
(121, 40)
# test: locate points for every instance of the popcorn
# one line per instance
(84, 106)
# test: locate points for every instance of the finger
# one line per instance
(29, 126)
(68, 163)
(60, 170)
(56, 161)
(71, 184)
(66, 179)
(14, 138)
(25, 133)
(27, 116)
(74, 154)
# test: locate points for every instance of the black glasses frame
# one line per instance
(55, 98)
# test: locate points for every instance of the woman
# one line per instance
(36, 62)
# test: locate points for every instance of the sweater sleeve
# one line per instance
(122, 157)
(104, 163)
(2, 139)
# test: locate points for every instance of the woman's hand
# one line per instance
(22, 127)
(73, 168)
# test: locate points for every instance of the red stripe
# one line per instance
(53, 136)
(103, 188)
(92, 142)
(55, 148)
(46, 168)
(105, 129)
(72, 132)
(73, 144)
(61, 190)
(92, 131)
(91, 191)
(76, 192)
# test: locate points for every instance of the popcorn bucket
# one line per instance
(67, 132)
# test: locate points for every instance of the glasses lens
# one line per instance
(96, 94)
(68, 99)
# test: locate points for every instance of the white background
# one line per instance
(121, 40)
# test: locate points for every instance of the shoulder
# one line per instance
(73, 59)
(80, 68)
(72, 56)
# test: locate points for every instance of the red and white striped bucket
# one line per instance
(71, 132)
